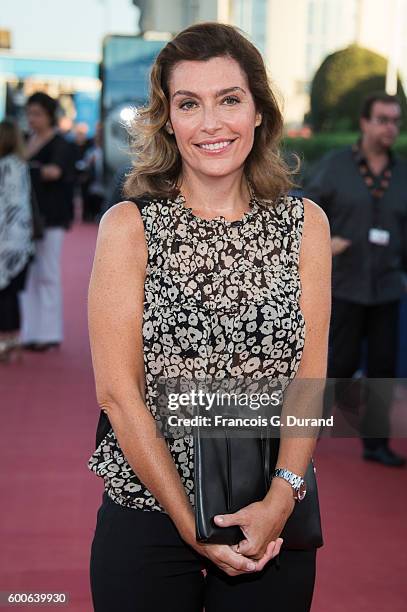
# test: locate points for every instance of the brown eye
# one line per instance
(231, 100)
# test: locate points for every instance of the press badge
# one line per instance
(379, 236)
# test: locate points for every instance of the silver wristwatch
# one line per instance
(297, 483)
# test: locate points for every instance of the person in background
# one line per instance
(65, 128)
(50, 163)
(92, 178)
(116, 190)
(77, 138)
(81, 139)
(16, 244)
(363, 190)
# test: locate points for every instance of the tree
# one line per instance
(340, 84)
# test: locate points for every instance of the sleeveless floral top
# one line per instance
(221, 298)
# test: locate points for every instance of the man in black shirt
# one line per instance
(363, 190)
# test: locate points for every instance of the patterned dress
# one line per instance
(16, 245)
(222, 300)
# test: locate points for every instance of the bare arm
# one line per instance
(315, 302)
(115, 310)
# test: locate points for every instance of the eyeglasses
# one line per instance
(382, 120)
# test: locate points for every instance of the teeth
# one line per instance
(215, 146)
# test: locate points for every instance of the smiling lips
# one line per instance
(215, 147)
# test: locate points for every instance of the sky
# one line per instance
(72, 28)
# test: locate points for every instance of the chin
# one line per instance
(218, 170)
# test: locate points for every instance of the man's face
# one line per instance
(383, 127)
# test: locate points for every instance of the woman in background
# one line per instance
(16, 245)
(49, 159)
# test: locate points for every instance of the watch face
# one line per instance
(301, 491)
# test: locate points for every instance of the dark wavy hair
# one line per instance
(157, 162)
(49, 105)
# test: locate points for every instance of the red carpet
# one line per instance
(49, 498)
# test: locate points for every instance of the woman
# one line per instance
(189, 285)
(16, 245)
(49, 159)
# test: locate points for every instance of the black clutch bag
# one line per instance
(231, 473)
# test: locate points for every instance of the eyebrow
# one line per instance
(221, 92)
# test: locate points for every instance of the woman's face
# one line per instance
(38, 118)
(213, 116)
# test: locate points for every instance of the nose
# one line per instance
(392, 130)
(210, 120)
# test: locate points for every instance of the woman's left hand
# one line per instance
(262, 522)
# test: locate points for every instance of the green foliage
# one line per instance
(340, 84)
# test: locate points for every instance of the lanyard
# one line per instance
(376, 184)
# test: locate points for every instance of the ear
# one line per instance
(259, 119)
(168, 127)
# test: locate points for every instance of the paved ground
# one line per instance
(50, 499)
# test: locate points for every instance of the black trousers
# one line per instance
(9, 304)
(139, 563)
(351, 325)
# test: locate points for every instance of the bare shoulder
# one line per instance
(121, 245)
(316, 230)
(316, 238)
(315, 218)
(123, 218)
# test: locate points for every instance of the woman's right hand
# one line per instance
(231, 562)
(224, 556)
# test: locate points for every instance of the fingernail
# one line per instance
(251, 566)
(219, 519)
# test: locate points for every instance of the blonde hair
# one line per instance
(157, 162)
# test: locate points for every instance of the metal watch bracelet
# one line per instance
(297, 482)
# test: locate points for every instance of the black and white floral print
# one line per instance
(16, 245)
(221, 300)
